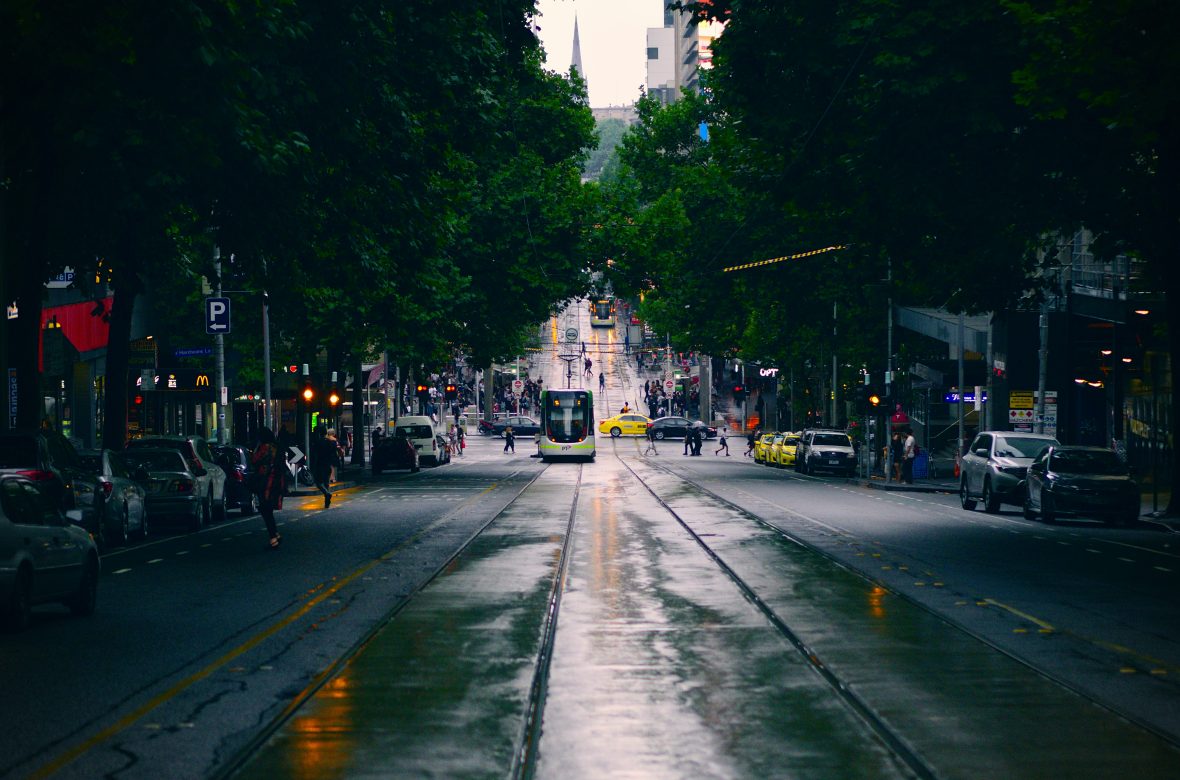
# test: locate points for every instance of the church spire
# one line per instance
(576, 59)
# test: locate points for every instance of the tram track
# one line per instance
(528, 738)
(839, 686)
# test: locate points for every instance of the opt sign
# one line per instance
(217, 315)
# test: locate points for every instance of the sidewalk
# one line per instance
(348, 476)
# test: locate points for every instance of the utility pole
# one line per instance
(962, 394)
(267, 414)
(834, 389)
(1043, 368)
(219, 350)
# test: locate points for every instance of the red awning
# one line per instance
(85, 325)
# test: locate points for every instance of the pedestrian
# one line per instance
(627, 342)
(907, 463)
(724, 445)
(323, 457)
(626, 409)
(750, 439)
(698, 439)
(651, 441)
(601, 381)
(589, 365)
(269, 481)
(896, 454)
(509, 439)
(462, 436)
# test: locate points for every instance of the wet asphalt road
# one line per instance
(637, 617)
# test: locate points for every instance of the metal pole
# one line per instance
(267, 412)
(219, 351)
(985, 421)
(306, 418)
(889, 327)
(962, 395)
(1043, 369)
(835, 417)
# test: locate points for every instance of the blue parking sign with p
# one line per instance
(217, 315)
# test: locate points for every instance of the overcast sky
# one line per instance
(614, 43)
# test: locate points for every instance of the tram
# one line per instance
(567, 425)
(602, 313)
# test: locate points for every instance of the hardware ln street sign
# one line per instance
(217, 316)
(571, 334)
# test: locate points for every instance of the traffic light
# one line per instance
(451, 392)
(739, 393)
(308, 393)
(333, 398)
(423, 392)
(874, 401)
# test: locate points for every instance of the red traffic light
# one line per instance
(874, 400)
(308, 393)
(334, 398)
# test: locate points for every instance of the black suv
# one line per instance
(47, 456)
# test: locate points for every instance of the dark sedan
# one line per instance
(678, 427)
(394, 452)
(239, 472)
(173, 486)
(521, 425)
(1081, 481)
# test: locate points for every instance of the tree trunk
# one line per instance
(359, 410)
(114, 424)
(24, 346)
(1172, 304)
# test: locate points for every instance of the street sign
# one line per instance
(571, 334)
(517, 385)
(217, 316)
(669, 385)
(188, 352)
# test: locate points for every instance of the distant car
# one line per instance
(47, 456)
(521, 425)
(394, 452)
(239, 471)
(443, 448)
(782, 450)
(173, 484)
(1081, 481)
(629, 424)
(762, 447)
(825, 450)
(43, 556)
(124, 500)
(196, 451)
(676, 427)
(994, 467)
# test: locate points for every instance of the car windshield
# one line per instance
(17, 452)
(156, 460)
(831, 440)
(413, 431)
(1020, 447)
(1086, 462)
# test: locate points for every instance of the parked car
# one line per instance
(825, 450)
(624, 425)
(994, 467)
(420, 431)
(239, 473)
(195, 450)
(174, 485)
(762, 447)
(782, 450)
(124, 499)
(1081, 481)
(44, 557)
(522, 425)
(47, 456)
(443, 449)
(394, 452)
(675, 427)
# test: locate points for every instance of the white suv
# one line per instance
(825, 450)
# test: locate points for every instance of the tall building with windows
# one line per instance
(677, 53)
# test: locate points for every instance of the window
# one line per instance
(17, 506)
(653, 53)
(1019, 447)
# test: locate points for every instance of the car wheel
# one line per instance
(616, 432)
(964, 496)
(660, 435)
(219, 509)
(1029, 514)
(124, 530)
(85, 599)
(200, 515)
(991, 502)
(143, 525)
(20, 603)
(250, 506)
(1131, 517)
(1048, 515)
(415, 468)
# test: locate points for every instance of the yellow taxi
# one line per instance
(770, 457)
(625, 425)
(762, 447)
(782, 451)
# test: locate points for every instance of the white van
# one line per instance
(420, 431)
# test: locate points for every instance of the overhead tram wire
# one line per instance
(772, 260)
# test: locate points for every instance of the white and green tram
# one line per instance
(567, 425)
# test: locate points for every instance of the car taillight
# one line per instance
(238, 476)
(184, 486)
(37, 475)
(107, 488)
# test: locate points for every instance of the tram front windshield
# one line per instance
(566, 417)
(602, 310)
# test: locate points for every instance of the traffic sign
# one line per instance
(217, 316)
(517, 385)
(571, 334)
(669, 385)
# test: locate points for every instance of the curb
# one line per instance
(894, 487)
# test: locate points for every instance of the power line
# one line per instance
(781, 259)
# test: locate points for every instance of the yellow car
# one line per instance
(762, 447)
(771, 456)
(625, 425)
(782, 452)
